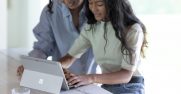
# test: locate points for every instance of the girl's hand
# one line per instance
(67, 61)
(80, 80)
(68, 74)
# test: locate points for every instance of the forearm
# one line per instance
(122, 76)
(37, 54)
(67, 61)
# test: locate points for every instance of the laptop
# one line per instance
(44, 75)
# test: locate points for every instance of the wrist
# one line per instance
(93, 78)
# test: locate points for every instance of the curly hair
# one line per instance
(121, 16)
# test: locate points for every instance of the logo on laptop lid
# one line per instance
(41, 81)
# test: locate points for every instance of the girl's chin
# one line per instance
(98, 19)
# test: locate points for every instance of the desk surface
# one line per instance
(9, 80)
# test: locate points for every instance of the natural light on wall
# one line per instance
(163, 64)
(3, 24)
(22, 17)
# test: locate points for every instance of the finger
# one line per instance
(66, 70)
(74, 82)
(72, 78)
(19, 77)
(79, 84)
(21, 70)
(67, 76)
(72, 75)
(18, 70)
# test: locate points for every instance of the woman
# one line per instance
(118, 39)
(60, 24)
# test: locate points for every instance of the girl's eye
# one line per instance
(90, 3)
(100, 4)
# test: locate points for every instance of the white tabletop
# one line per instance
(8, 79)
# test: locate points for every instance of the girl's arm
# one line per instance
(122, 76)
(67, 61)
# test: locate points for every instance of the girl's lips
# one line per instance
(97, 15)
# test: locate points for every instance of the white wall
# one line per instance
(34, 11)
(17, 23)
(3, 23)
(23, 15)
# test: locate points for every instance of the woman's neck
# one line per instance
(76, 11)
(75, 16)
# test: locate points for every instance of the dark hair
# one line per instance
(121, 16)
(50, 4)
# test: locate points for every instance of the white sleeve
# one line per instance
(134, 41)
(80, 45)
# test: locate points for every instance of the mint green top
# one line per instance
(111, 59)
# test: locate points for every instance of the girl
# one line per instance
(117, 38)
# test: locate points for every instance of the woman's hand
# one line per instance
(79, 80)
(20, 70)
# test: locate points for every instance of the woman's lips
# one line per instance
(73, 3)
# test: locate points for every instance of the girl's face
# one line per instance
(98, 8)
(73, 4)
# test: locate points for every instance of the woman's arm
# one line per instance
(45, 44)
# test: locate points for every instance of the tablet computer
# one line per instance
(43, 75)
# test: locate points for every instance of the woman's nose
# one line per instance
(73, 1)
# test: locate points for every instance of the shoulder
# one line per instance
(135, 28)
(86, 30)
(86, 26)
(56, 7)
(135, 31)
(57, 1)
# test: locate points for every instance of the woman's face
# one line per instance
(98, 8)
(73, 4)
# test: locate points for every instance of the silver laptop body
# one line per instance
(43, 75)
